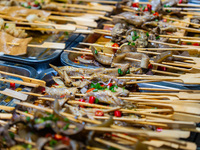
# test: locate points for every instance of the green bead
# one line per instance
(66, 119)
(119, 71)
(157, 37)
(39, 120)
(147, 34)
(12, 135)
(133, 44)
(134, 38)
(95, 90)
(66, 33)
(96, 52)
(52, 142)
(96, 100)
(66, 127)
(156, 20)
(128, 71)
(28, 119)
(29, 146)
(129, 43)
(135, 33)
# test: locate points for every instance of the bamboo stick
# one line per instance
(25, 79)
(111, 144)
(69, 116)
(5, 116)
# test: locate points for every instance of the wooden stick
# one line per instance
(20, 82)
(98, 1)
(181, 21)
(181, 9)
(169, 89)
(7, 108)
(188, 5)
(69, 116)
(25, 79)
(5, 116)
(99, 8)
(137, 60)
(111, 144)
(166, 134)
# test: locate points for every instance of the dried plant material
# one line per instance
(19, 46)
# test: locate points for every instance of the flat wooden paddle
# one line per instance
(14, 94)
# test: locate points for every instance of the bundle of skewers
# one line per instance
(97, 108)
(104, 108)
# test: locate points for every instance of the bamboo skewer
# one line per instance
(181, 9)
(69, 116)
(6, 108)
(180, 95)
(110, 144)
(181, 21)
(99, 8)
(57, 27)
(20, 82)
(5, 116)
(25, 79)
(167, 134)
(168, 90)
(188, 5)
(193, 69)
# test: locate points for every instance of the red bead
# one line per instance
(109, 84)
(180, 1)
(159, 129)
(43, 90)
(58, 137)
(66, 141)
(164, 20)
(99, 113)
(117, 113)
(48, 135)
(195, 44)
(12, 85)
(102, 85)
(156, 14)
(34, 5)
(91, 99)
(115, 45)
(149, 6)
(82, 100)
(135, 5)
(146, 9)
(150, 66)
